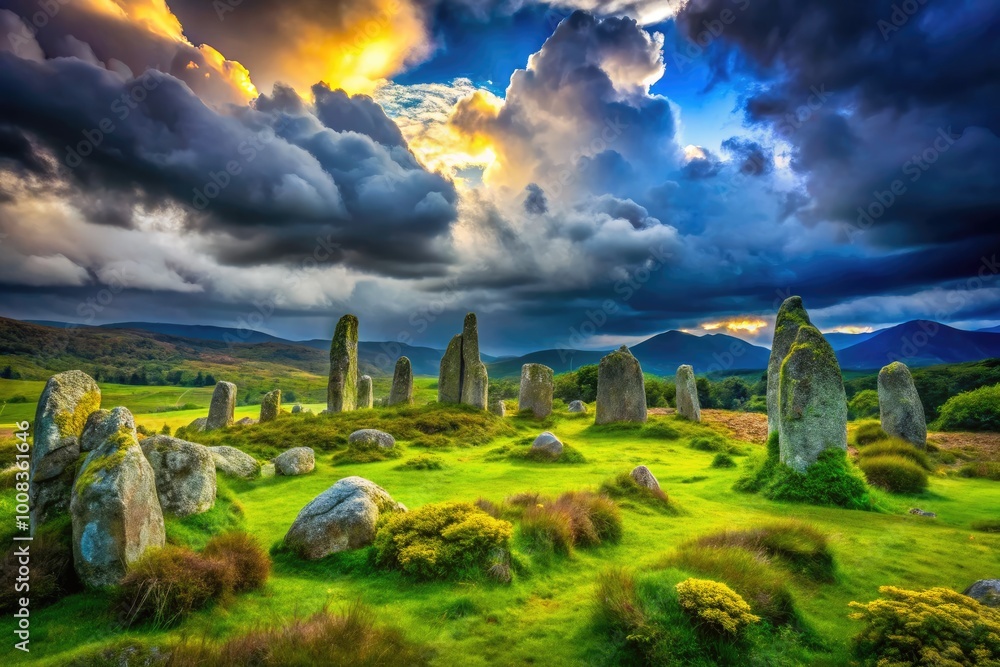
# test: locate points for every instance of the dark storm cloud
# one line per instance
(535, 202)
(355, 113)
(752, 158)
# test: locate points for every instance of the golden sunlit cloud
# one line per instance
(850, 330)
(748, 325)
(694, 153)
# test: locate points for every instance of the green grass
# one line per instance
(544, 616)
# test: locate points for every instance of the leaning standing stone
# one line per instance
(366, 398)
(295, 461)
(342, 389)
(475, 382)
(621, 389)
(791, 316)
(899, 405)
(185, 474)
(60, 418)
(536, 390)
(688, 405)
(115, 510)
(220, 412)
(270, 406)
(402, 383)
(450, 375)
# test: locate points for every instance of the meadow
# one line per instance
(547, 614)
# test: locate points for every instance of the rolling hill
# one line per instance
(920, 343)
(840, 341)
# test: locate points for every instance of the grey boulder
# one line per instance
(547, 443)
(234, 462)
(577, 406)
(985, 591)
(645, 478)
(371, 437)
(185, 474)
(295, 461)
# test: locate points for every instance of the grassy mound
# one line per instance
(574, 519)
(894, 473)
(622, 487)
(422, 462)
(522, 451)
(868, 432)
(896, 447)
(981, 470)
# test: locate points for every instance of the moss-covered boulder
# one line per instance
(366, 396)
(900, 409)
(537, 384)
(270, 406)
(66, 403)
(621, 389)
(401, 392)
(185, 474)
(791, 316)
(234, 462)
(223, 406)
(115, 510)
(342, 389)
(812, 401)
(688, 405)
(295, 461)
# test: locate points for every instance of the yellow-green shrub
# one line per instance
(715, 606)
(868, 432)
(894, 473)
(936, 627)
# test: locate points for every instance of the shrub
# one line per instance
(526, 453)
(709, 443)
(618, 606)
(863, 404)
(52, 575)
(932, 627)
(422, 462)
(547, 529)
(868, 432)
(723, 460)
(573, 519)
(894, 473)
(976, 410)
(715, 606)
(981, 469)
(896, 447)
(796, 545)
(250, 563)
(441, 540)
(622, 486)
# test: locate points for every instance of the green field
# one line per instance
(545, 615)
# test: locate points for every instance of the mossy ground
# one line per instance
(545, 616)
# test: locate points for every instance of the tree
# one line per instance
(209, 380)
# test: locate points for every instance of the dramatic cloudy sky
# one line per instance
(580, 174)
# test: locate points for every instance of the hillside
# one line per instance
(920, 343)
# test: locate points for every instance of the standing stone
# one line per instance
(688, 405)
(811, 399)
(791, 316)
(498, 408)
(115, 510)
(450, 375)
(270, 406)
(577, 406)
(537, 384)
(60, 419)
(645, 478)
(475, 382)
(899, 405)
(220, 412)
(366, 398)
(402, 383)
(342, 390)
(184, 472)
(621, 389)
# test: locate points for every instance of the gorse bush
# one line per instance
(896, 447)
(868, 432)
(574, 519)
(715, 606)
(894, 473)
(441, 541)
(976, 410)
(927, 628)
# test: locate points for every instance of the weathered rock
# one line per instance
(296, 409)
(295, 461)
(366, 399)
(60, 419)
(688, 405)
(791, 316)
(402, 383)
(342, 517)
(93, 435)
(547, 443)
(371, 437)
(246, 421)
(475, 382)
(920, 512)
(270, 406)
(198, 425)
(220, 411)
(899, 405)
(537, 384)
(621, 389)
(342, 390)
(812, 402)
(185, 474)
(234, 462)
(450, 374)
(577, 406)
(498, 408)
(644, 477)
(985, 591)
(115, 510)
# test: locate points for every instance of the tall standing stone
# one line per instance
(115, 510)
(220, 411)
(812, 403)
(688, 405)
(366, 397)
(402, 383)
(899, 405)
(270, 406)
(450, 375)
(791, 316)
(63, 408)
(342, 390)
(621, 389)
(475, 382)
(535, 394)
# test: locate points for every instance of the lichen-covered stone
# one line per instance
(791, 316)
(577, 406)
(61, 416)
(985, 591)
(644, 477)
(402, 383)
(270, 406)
(537, 384)
(548, 443)
(185, 474)
(246, 421)
(234, 462)
(198, 425)
(342, 390)
(295, 461)
(899, 405)
(115, 510)
(92, 435)
(498, 408)
(621, 389)
(221, 410)
(366, 397)
(371, 437)
(688, 405)
(812, 402)
(342, 517)
(450, 374)
(475, 381)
